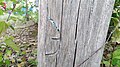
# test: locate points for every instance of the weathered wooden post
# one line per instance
(83, 26)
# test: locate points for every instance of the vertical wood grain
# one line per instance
(42, 33)
(83, 28)
(52, 46)
(93, 25)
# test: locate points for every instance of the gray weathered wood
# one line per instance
(93, 31)
(83, 28)
(42, 33)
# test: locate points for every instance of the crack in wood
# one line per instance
(52, 53)
(55, 38)
(98, 48)
(76, 34)
(75, 53)
(61, 58)
(61, 21)
(60, 31)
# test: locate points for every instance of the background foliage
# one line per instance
(111, 57)
(13, 12)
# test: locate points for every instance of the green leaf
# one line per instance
(116, 53)
(1, 1)
(33, 62)
(3, 26)
(117, 57)
(1, 64)
(9, 42)
(1, 54)
(116, 36)
(8, 52)
(114, 61)
(1, 12)
(7, 62)
(115, 20)
(107, 63)
(23, 52)
(1, 59)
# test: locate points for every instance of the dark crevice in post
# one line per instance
(56, 61)
(77, 20)
(55, 38)
(61, 21)
(76, 31)
(96, 50)
(75, 54)
(60, 34)
(61, 25)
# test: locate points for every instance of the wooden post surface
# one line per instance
(83, 26)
